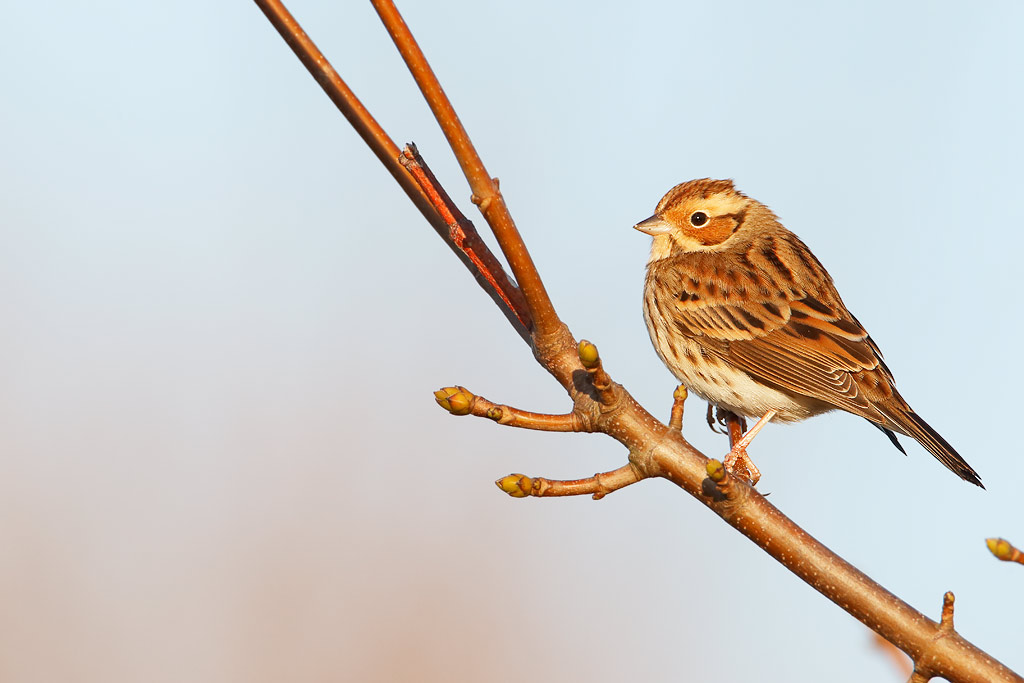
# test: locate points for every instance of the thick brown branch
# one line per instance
(485, 189)
(668, 455)
(486, 269)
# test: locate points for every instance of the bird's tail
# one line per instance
(911, 424)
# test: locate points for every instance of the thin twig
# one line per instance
(1004, 550)
(486, 269)
(342, 96)
(726, 488)
(462, 233)
(928, 663)
(599, 378)
(597, 486)
(946, 619)
(461, 401)
(485, 188)
(675, 420)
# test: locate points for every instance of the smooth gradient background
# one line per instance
(220, 459)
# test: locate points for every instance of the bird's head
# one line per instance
(698, 215)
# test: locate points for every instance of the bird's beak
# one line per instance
(655, 225)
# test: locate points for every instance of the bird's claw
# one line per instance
(722, 421)
(739, 464)
(717, 419)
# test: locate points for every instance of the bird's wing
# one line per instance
(765, 323)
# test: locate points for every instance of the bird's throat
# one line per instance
(661, 247)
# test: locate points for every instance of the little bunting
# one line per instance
(747, 318)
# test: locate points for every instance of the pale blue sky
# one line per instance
(219, 454)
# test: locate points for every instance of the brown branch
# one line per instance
(472, 251)
(465, 237)
(342, 96)
(675, 420)
(1004, 550)
(946, 618)
(659, 451)
(461, 401)
(925, 665)
(597, 486)
(485, 189)
(950, 656)
(724, 482)
(599, 379)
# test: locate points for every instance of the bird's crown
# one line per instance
(706, 189)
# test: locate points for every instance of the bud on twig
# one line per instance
(516, 485)
(588, 354)
(456, 400)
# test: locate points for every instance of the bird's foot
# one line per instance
(738, 462)
(734, 424)
(721, 420)
(711, 418)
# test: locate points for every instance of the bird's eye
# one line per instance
(698, 218)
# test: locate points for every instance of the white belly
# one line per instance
(724, 385)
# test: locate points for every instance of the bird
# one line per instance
(747, 318)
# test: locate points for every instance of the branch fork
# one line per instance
(458, 400)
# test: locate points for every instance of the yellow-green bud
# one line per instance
(588, 354)
(516, 485)
(716, 470)
(999, 547)
(456, 400)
